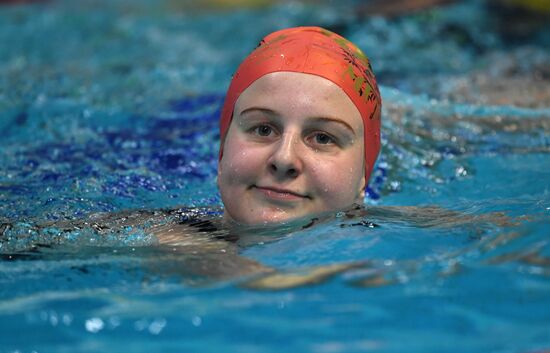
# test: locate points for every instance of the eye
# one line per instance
(323, 139)
(263, 130)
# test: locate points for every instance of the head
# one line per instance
(299, 128)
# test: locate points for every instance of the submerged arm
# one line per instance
(199, 254)
(429, 216)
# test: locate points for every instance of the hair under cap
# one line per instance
(316, 51)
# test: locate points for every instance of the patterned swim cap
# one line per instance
(316, 51)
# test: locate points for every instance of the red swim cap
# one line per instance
(316, 51)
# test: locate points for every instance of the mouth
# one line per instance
(280, 194)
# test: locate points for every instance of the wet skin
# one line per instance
(294, 149)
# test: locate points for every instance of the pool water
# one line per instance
(112, 106)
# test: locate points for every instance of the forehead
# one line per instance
(299, 94)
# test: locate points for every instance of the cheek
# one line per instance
(338, 180)
(238, 163)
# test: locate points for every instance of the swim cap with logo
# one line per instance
(316, 51)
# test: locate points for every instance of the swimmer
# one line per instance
(300, 133)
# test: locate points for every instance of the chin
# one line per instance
(265, 217)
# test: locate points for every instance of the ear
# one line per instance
(220, 157)
(361, 189)
(219, 173)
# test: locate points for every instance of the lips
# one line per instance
(280, 194)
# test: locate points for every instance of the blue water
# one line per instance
(110, 106)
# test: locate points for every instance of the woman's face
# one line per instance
(294, 149)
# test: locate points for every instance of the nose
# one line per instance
(285, 161)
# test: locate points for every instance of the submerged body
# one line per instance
(205, 247)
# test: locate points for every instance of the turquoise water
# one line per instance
(112, 106)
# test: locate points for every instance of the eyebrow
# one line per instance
(263, 110)
(319, 119)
